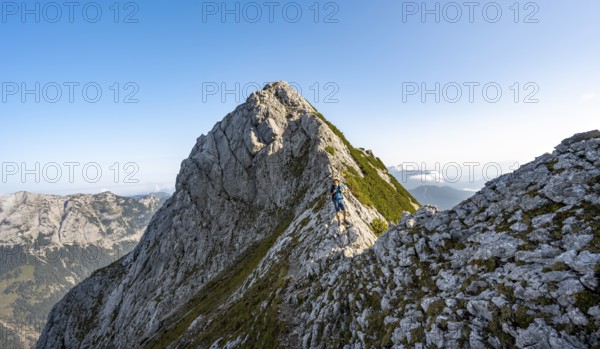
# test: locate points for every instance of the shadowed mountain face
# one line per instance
(49, 243)
(246, 252)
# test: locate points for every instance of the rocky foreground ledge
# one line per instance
(516, 265)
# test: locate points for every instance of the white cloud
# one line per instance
(428, 177)
(590, 97)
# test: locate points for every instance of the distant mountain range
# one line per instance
(430, 188)
(48, 243)
(414, 178)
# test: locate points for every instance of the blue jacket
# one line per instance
(336, 192)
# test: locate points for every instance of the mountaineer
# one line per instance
(337, 191)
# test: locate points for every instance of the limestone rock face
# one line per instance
(246, 252)
(250, 198)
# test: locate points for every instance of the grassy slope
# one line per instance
(231, 320)
(370, 189)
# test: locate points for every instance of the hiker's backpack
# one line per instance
(337, 194)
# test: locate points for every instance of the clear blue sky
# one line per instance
(361, 63)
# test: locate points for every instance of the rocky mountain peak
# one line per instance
(251, 207)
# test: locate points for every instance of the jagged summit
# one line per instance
(250, 209)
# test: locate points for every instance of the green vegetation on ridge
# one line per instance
(232, 320)
(379, 226)
(370, 189)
